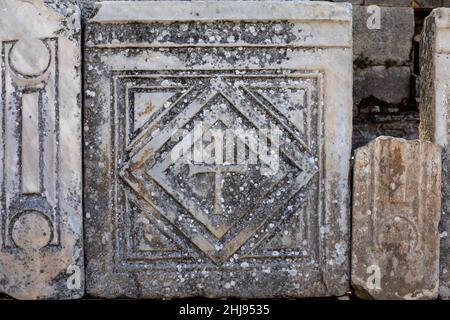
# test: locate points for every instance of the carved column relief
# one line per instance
(31, 149)
(396, 210)
(41, 250)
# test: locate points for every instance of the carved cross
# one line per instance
(218, 170)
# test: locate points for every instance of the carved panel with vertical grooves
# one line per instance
(396, 209)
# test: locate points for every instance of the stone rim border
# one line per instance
(207, 11)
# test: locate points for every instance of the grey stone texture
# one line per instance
(383, 65)
(393, 39)
(350, 1)
(161, 225)
(375, 121)
(390, 85)
(407, 3)
(391, 43)
(427, 3)
(395, 217)
(388, 3)
(41, 241)
(435, 95)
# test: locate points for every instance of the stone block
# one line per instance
(396, 211)
(165, 218)
(383, 37)
(349, 1)
(434, 104)
(391, 85)
(427, 3)
(388, 3)
(406, 3)
(41, 242)
(370, 123)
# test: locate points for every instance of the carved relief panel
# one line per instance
(396, 211)
(31, 148)
(216, 136)
(41, 252)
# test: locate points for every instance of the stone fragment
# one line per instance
(349, 1)
(396, 210)
(374, 121)
(388, 3)
(427, 3)
(382, 37)
(434, 105)
(170, 83)
(41, 242)
(390, 85)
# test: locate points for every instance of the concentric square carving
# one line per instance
(182, 195)
(217, 149)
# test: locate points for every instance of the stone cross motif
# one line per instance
(217, 170)
(240, 65)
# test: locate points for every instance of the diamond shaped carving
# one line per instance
(167, 223)
(236, 206)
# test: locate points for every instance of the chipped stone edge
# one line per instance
(356, 282)
(434, 103)
(402, 140)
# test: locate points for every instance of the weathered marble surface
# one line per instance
(159, 227)
(386, 84)
(396, 211)
(41, 243)
(390, 40)
(434, 104)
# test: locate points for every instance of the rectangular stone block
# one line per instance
(372, 122)
(166, 215)
(382, 36)
(349, 1)
(434, 105)
(388, 3)
(41, 242)
(428, 3)
(390, 85)
(396, 211)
